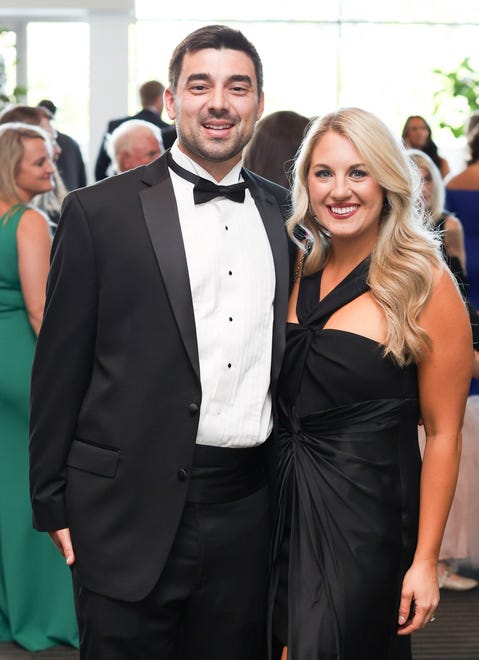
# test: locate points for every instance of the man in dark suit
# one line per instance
(154, 379)
(151, 98)
(70, 162)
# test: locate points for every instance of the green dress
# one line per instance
(36, 601)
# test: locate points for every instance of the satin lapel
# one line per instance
(271, 215)
(161, 217)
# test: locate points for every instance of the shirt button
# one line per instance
(230, 272)
(182, 474)
(229, 365)
(192, 409)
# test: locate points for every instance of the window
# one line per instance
(377, 55)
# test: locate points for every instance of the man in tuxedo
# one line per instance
(151, 98)
(154, 379)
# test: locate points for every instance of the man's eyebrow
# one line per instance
(198, 76)
(241, 78)
(206, 77)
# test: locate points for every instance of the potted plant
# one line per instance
(458, 97)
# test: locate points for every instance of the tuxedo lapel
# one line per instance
(268, 209)
(161, 217)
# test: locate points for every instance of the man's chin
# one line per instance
(214, 150)
(220, 153)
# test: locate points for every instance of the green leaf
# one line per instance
(463, 82)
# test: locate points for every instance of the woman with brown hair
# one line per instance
(274, 144)
(416, 134)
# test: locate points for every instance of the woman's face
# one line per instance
(427, 186)
(343, 195)
(417, 133)
(35, 173)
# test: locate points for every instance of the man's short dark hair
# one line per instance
(150, 91)
(49, 105)
(213, 36)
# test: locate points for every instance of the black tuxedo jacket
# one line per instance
(103, 159)
(116, 387)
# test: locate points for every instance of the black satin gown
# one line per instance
(348, 496)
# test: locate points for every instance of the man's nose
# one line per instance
(218, 98)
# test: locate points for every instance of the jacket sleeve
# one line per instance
(102, 162)
(62, 364)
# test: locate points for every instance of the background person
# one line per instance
(274, 144)
(378, 334)
(36, 600)
(472, 122)
(134, 143)
(416, 134)
(462, 199)
(151, 98)
(70, 162)
(148, 448)
(49, 202)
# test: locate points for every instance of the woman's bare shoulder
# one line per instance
(468, 179)
(33, 217)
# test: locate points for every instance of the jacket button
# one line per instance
(192, 408)
(182, 474)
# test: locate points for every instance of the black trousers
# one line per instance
(210, 601)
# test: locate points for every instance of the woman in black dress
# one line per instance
(377, 337)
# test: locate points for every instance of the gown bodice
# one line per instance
(327, 368)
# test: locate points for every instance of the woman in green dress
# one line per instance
(36, 602)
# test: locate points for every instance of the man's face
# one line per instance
(215, 107)
(144, 150)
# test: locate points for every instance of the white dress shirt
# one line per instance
(232, 282)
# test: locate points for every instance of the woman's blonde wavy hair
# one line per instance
(402, 261)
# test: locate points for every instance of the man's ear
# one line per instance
(123, 161)
(169, 101)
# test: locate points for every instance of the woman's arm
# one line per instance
(33, 245)
(444, 376)
(475, 365)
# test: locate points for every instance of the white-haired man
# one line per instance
(133, 143)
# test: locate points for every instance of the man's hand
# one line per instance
(62, 539)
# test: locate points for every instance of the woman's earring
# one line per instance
(386, 206)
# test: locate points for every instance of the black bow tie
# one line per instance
(205, 190)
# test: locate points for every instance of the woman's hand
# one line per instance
(419, 596)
